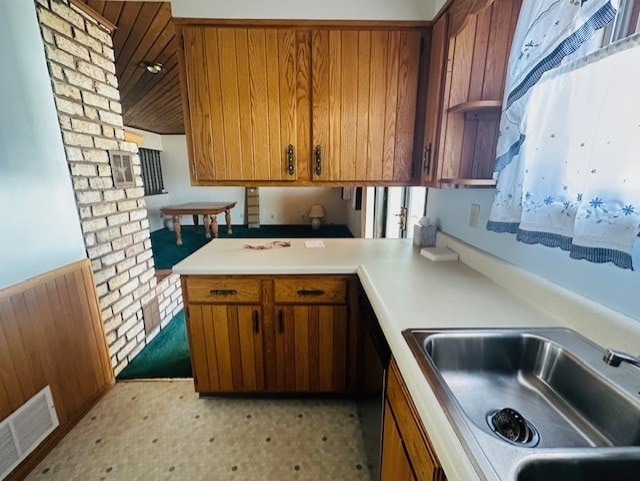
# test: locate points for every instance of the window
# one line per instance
(151, 171)
(625, 23)
(121, 168)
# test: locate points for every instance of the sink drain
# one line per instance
(509, 425)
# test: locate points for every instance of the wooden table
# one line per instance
(208, 211)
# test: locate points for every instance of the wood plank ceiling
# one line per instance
(145, 33)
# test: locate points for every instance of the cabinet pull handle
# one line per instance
(310, 292)
(318, 154)
(426, 158)
(280, 321)
(256, 323)
(223, 292)
(290, 160)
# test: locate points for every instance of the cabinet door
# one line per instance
(395, 464)
(424, 462)
(242, 104)
(311, 348)
(364, 92)
(437, 65)
(226, 347)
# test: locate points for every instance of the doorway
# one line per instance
(397, 210)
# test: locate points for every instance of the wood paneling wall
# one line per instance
(51, 334)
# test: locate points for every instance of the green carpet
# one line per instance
(166, 356)
(166, 253)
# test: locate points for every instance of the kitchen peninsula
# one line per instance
(409, 291)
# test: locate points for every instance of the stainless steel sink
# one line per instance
(516, 396)
(581, 467)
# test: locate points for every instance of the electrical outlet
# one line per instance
(474, 213)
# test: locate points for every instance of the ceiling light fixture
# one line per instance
(152, 67)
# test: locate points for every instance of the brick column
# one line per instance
(114, 220)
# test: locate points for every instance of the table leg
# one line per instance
(178, 229)
(227, 216)
(207, 226)
(195, 223)
(214, 225)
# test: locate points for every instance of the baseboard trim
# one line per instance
(29, 464)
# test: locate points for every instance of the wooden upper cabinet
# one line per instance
(364, 91)
(437, 67)
(468, 66)
(270, 105)
(241, 88)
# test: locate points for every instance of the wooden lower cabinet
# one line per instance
(407, 453)
(395, 461)
(227, 347)
(311, 348)
(271, 333)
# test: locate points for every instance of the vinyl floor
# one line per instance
(162, 430)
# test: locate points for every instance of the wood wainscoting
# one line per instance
(51, 334)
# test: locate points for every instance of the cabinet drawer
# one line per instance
(221, 290)
(311, 290)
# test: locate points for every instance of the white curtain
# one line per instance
(566, 165)
(581, 159)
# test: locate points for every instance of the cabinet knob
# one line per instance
(291, 159)
(318, 160)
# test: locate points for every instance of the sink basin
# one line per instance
(514, 394)
(580, 468)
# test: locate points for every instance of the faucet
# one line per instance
(614, 358)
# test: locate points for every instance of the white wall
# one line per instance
(175, 173)
(278, 205)
(291, 205)
(355, 217)
(40, 225)
(149, 139)
(604, 283)
(306, 9)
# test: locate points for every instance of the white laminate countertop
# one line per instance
(406, 290)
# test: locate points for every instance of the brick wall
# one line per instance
(169, 298)
(114, 220)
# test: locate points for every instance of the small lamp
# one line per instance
(316, 214)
